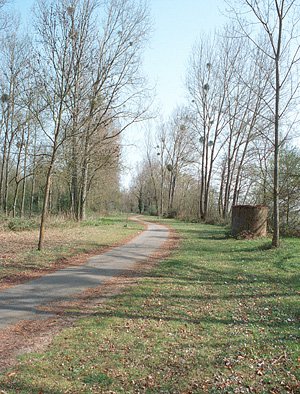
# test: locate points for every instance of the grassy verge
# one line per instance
(218, 316)
(19, 257)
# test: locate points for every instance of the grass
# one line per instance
(19, 256)
(219, 316)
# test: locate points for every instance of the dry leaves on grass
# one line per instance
(28, 336)
(18, 265)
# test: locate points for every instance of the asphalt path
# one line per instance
(21, 302)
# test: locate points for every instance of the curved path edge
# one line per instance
(21, 302)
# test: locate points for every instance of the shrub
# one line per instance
(17, 224)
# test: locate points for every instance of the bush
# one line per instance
(171, 214)
(17, 224)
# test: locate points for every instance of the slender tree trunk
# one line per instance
(15, 199)
(33, 174)
(4, 159)
(238, 175)
(84, 190)
(275, 240)
(74, 182)
(84, 178)
(202, 182)
(2, 170)
(32, 194)
(161, 196)
(154, 188)
(50, 198)
(22, 213)
(172, 191)
(48, 179)
(288, 211)
(6, 177)
(162, 181)
(227, 190)
(221, 191)
(206, 175)
(45, 203)
(24, 176)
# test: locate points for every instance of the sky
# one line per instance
(177, 24)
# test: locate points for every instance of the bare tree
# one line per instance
(273, 28)
(118, 97)
(208, 81)
(91, 87)
(246, 119)
(161, 153)
(179, 151)
(151, 159)
(108, 91)
(14, 71)
(55, 77)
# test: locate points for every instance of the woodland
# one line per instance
(68, 91)
(235, 141)
(201, 311)
(72, 85)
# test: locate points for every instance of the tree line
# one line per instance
(231, 143)
(69, 88)
(73, 83)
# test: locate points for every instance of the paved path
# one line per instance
(20, 302)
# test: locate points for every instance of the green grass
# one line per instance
(19, 224)
(219, 316)
(25, 224)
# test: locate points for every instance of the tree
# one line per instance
(91, 86)
(272, 27)
(151, 159)
(14, 72)
(246, 120)
(55, 76)
(179, 152)
(173, 151)
(207, 81)
(143, 190)
(290, 187)
(108, 93)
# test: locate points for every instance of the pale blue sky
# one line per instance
(177, 24)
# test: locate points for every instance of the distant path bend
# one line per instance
(20, 302)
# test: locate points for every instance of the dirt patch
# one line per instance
(35, 336)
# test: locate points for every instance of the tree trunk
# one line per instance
(275, 240)
(83, 197)
(15, 200)
(2, 170)
(6, 178)
(45, 204)
(202, 182)
(33, 174)
(48, 179)
(74, 185)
